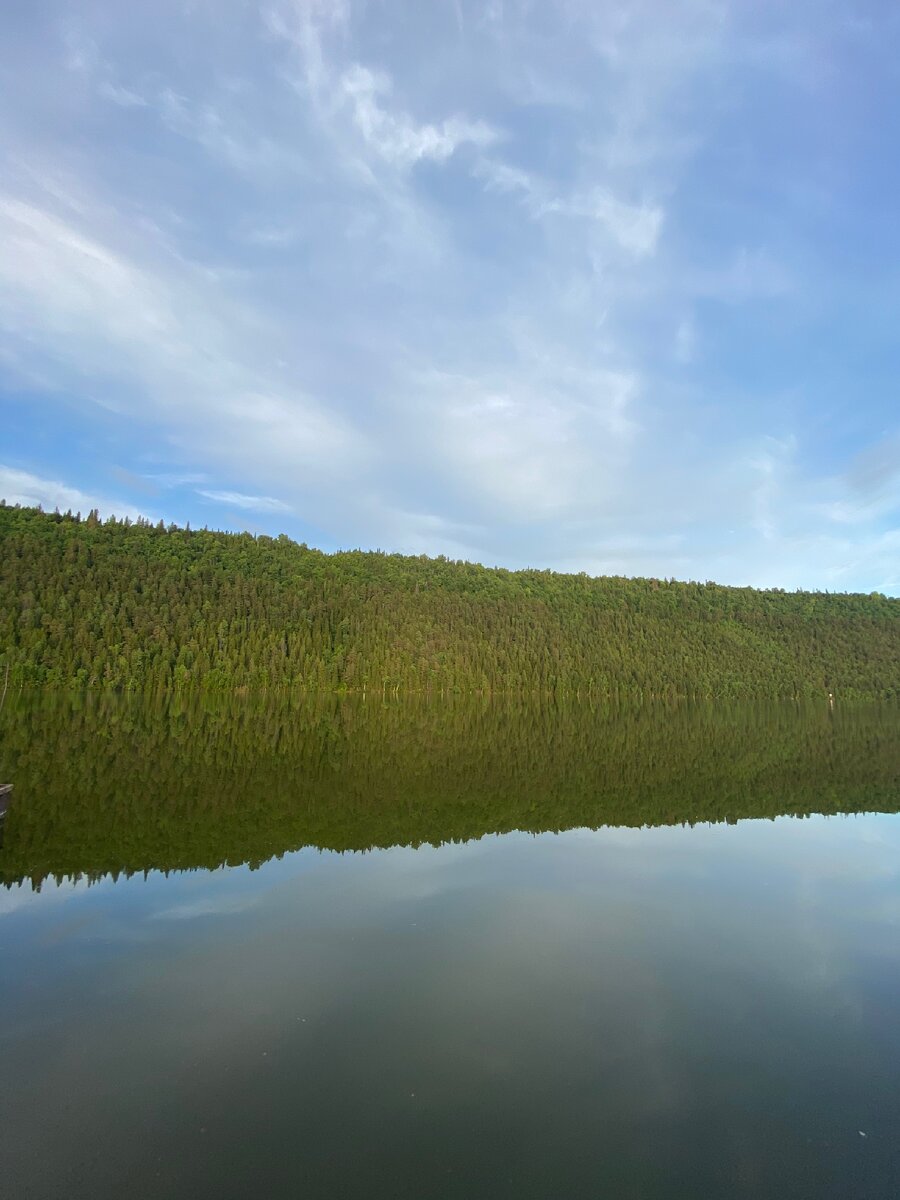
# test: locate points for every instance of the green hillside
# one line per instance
(85, 602)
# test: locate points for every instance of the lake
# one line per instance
(355, 947)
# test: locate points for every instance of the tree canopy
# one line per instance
(133, 605)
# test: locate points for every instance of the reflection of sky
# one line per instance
(670, 1010)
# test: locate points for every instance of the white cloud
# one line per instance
(207, 906)
(55, 277)
(182, 353)
(270, 236)
(635, 227)
(770, 466)
(124, 97)
(82, 54)
(21, 487)
(264, 504)
(477, 357)
(303, 24)
(530, 445)
(177, 479)
(25, 896)
(396, 137)
(224, 136)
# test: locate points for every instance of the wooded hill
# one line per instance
(122, 604)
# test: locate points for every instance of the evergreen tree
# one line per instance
(126, 605)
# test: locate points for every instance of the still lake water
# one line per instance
(356, 949)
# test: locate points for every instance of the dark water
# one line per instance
(352, 949)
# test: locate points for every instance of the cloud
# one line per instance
(177, 479)
(224, 137)
(264, 504)
(393, 135)
(769, 466)
(208, 906)
(439, 284)
(635, 227)
(21, 487)
(182, 353)
(304, 24)
(124, 97)
(531, 445)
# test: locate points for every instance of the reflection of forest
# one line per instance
(108, 785)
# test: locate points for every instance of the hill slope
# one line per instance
(121, 604)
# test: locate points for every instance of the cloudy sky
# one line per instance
(604, 286)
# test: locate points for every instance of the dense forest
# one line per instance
(135, 605)
(108, 784)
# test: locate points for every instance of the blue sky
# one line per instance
(594, 286)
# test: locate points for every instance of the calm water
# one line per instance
(418, 950)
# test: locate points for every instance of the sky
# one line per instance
(591, 286)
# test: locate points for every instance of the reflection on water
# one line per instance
(111, 785)
(647, 1005)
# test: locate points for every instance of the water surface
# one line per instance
(344, 949)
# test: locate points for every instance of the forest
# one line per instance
(125, 605)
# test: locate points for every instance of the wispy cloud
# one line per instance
(180, 352)
(223, 135)
(635, 227)
(123, 96)
(394, 136)
(263, 504)
(21, 487)
(207, 906)
(177, 479)
(571, 284)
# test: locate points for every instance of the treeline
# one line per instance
(133, 605)
(108, 784)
